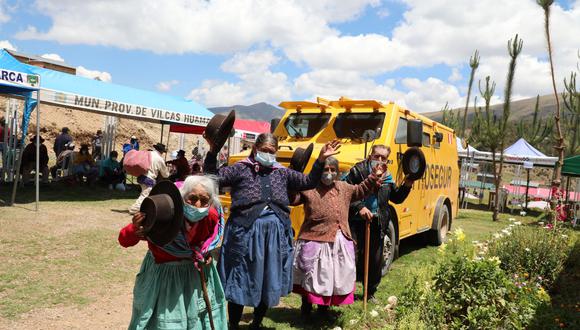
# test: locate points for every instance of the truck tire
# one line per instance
(390, 249)
(437, 236)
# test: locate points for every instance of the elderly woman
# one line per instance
(256, 256)
(168, 292)
(324, 266)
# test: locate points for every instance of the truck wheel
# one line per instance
(437, 237)
(389, 249)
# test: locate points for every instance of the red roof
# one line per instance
(253, 126)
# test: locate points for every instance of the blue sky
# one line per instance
(246, 51)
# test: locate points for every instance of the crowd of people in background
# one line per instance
(87, 165)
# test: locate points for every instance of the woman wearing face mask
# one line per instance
(256, 256)
(168, 291)
(324, 265)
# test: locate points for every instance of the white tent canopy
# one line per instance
(518, 153)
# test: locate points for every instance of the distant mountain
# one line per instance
(520, 110)
(260, 111)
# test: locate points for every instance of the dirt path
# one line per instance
(109, 312)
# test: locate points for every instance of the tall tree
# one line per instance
(474, 64)
(514, 49)
(546, 4)
(536, 131)
(486, 130)
(571, 97)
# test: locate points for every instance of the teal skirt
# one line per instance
(169, 296)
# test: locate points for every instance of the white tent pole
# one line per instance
(37, 146)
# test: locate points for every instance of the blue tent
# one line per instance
(68, 90)
(17, 79)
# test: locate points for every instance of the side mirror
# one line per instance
(273, 124)
(414, 133)
(438, 137)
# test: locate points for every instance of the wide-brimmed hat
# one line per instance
(414, 164)
(219, 128)
(301, 157)
(163, 210)
(160, 147)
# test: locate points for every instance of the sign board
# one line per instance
(16, 78)
(114, 108)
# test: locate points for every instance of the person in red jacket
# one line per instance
(168, 292)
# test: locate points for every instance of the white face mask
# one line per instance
(265, 159)
(328, 178)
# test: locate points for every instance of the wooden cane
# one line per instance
(206, 297)
(366, 269)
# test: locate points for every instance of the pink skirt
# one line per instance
(325, 272)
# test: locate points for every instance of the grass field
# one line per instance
(67, 256)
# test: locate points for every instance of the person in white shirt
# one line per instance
(157, 169)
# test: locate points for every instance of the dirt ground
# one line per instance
(62, 227)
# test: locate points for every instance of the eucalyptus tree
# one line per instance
(559, 147)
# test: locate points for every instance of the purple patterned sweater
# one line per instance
(254, 187)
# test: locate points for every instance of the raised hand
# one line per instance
(138, 219)
(329, 149)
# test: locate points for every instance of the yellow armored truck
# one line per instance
(432, 204)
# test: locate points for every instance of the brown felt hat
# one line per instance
(301, 157)
(219, 128)
(163, 210)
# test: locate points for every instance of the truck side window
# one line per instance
(401, 134)
(426, 140)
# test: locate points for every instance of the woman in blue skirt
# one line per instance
(256, 258)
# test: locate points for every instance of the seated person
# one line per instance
(181, 166)
(84, 165)
(132, 145)
(111, 172)
(63, 160)
(28, 163)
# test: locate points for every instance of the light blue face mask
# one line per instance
(265, 159)
(194, 214)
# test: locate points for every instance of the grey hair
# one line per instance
(332, 162)
(208, 182)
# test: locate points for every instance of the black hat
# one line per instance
(219, 129)
(414, 163)
(34, 139)
(163, 210)
(160, 147)
(301, 157)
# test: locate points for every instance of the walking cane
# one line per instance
(366, 269)
(206, 297)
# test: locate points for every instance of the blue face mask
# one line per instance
(265, 159)
(194, 214)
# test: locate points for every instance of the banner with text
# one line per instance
(114, 108)
(16, 78)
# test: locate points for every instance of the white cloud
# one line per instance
(94, 74)
(257, 83)
(54, 57)
(421, 96)
(4, 8)
(455, 75)
(7, 45)
(165, 86)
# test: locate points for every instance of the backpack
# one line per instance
(137, 162)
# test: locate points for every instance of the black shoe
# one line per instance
(255, 326)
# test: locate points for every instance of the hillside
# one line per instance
(259, 111)
(520, 110)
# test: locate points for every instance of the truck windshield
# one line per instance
(353, 125)
(302, 125)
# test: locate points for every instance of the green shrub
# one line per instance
(531, 253)
(470, 292)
